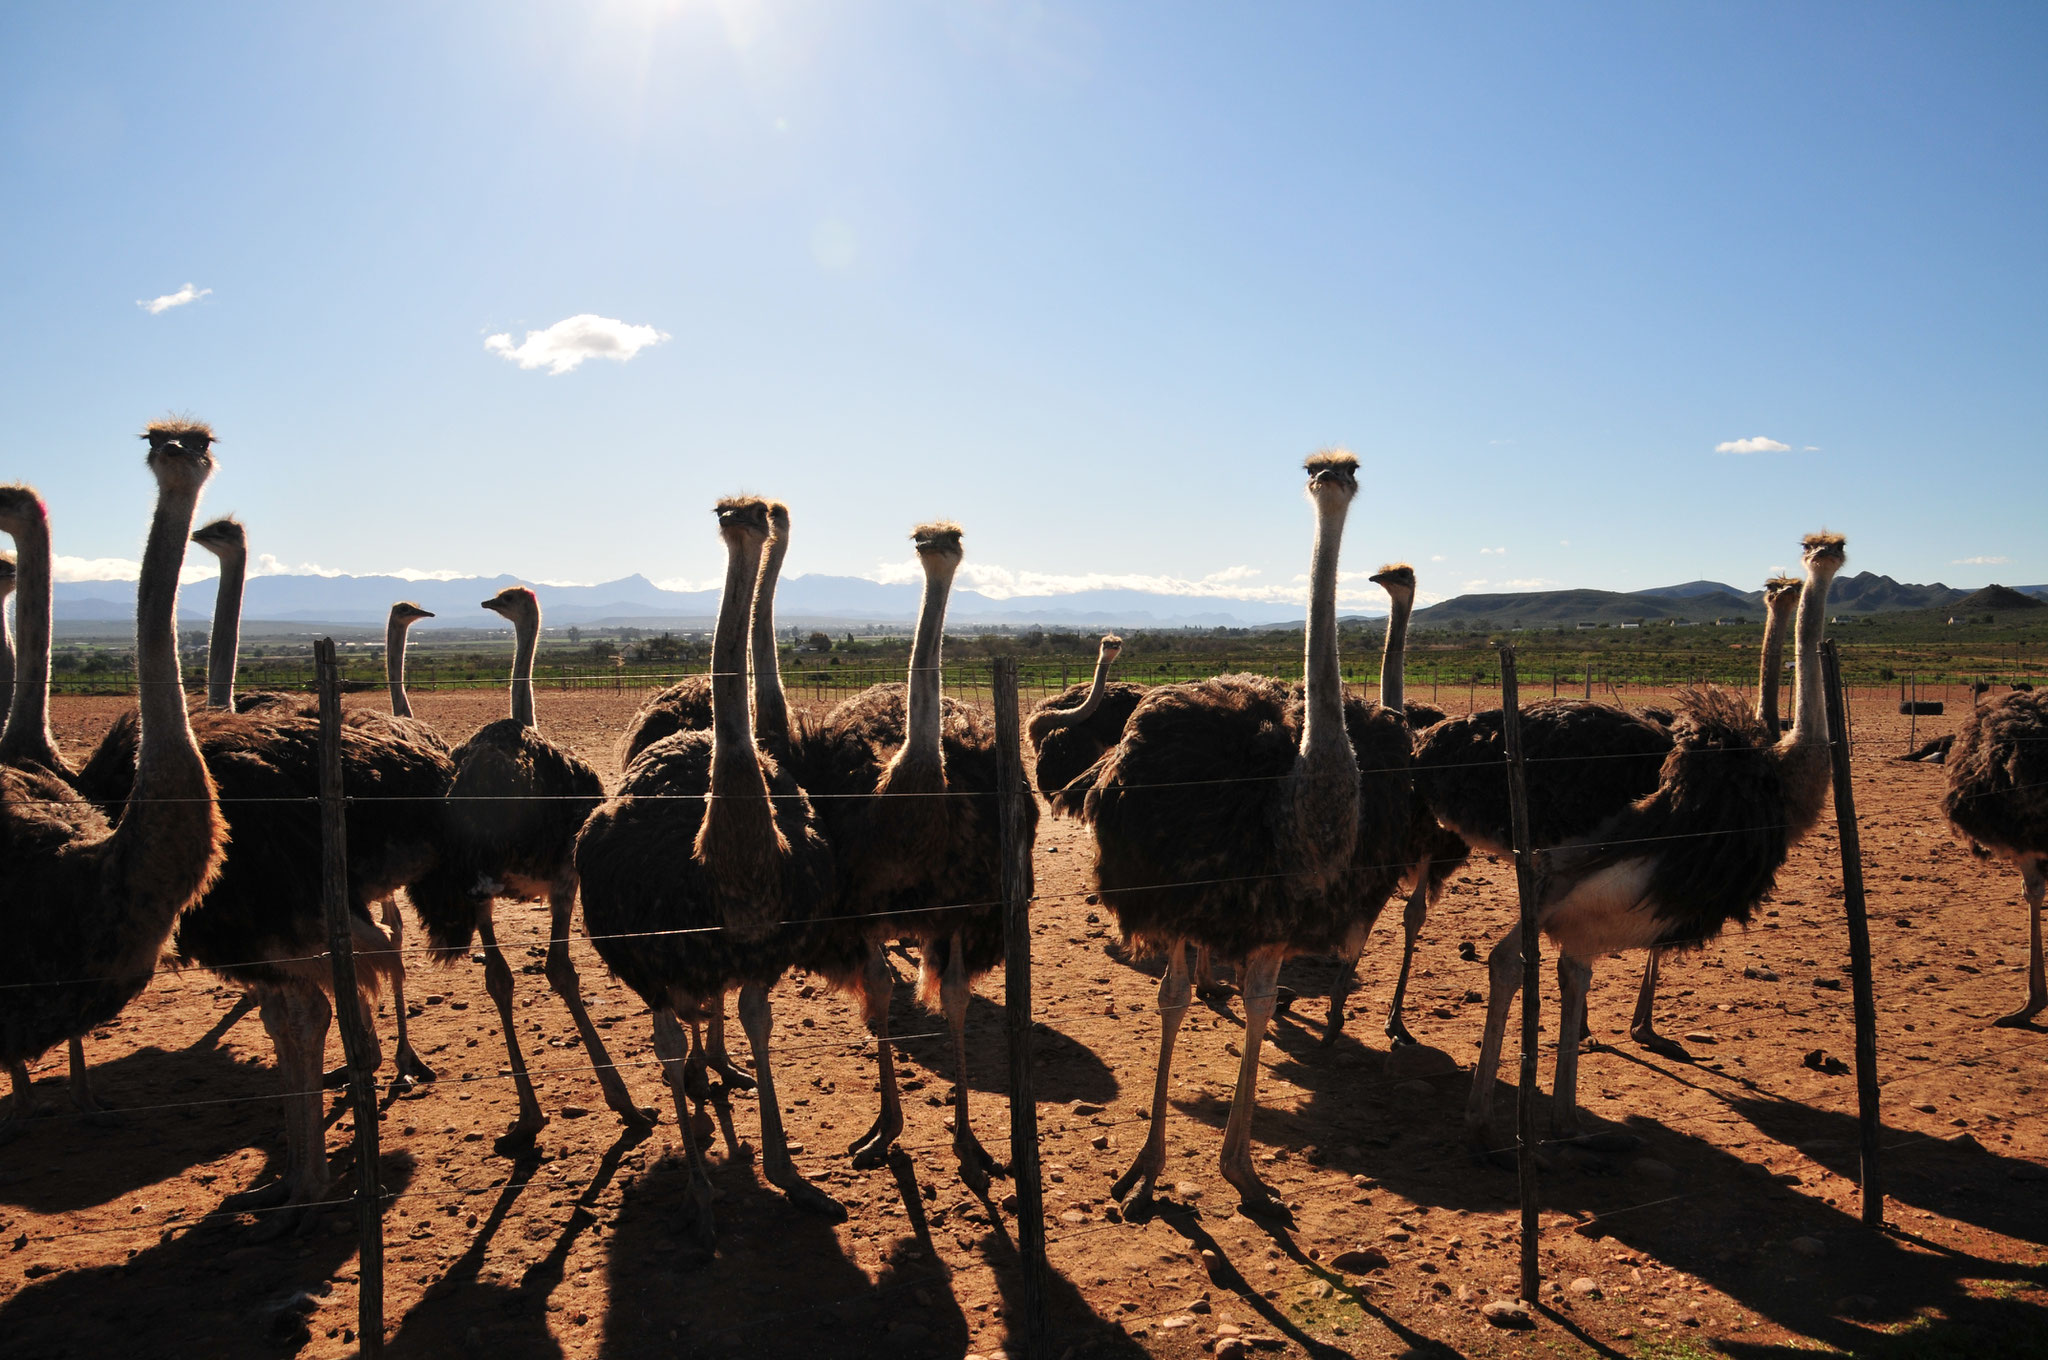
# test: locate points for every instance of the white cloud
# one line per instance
(267, 564)
(1527, 583)
(1438, 557)
(566, 344)
(199, 566)
(688, 585)
(1809, 448)
(1754, 444)
(1493, 552)
(1564, 543)
(1472, 584)
(1981, 562)
(157, 305)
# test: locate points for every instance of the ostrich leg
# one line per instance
(1346, 979)
(975, 1164)
(1206, 985)
(406, 1062)
(1260, 988)
(871, 1149)
(1574, 976)
(561, 970)
(1503, 980)
(671, 1048)
(735, 1076)
(758, 1019)
(1134, 1188)
(1643, 1028)
(1412, 917)
(2035, 875)
(697, 1082)
(25, 1106)
(82, 1096)
(498, 982)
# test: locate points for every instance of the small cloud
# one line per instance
(1980, 562)
(566, 344)
(1472, 584)
(688, 586)
(1493, 552)
(158, 305)
(1438, 557)
(1754, 444)
(1809, 448)
(267, 564)
(1564, 543)
(415, 574)
(1527, 583)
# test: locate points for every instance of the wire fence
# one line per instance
(964, 680)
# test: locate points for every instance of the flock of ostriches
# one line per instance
(1241, 815)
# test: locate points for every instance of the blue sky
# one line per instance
(1090, 280)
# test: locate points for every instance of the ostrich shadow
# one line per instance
(1959, 1179)
(197, 1291)
(1725, 1221)
(66, 1162)
(509, 1320)
(1063, 1068)
(779, 1282)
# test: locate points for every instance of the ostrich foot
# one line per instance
(1333, 1028)
(2023, 1018)
(410, 1067)
(736, 1078)
(976, 1166)
(1486, 1148)
(1133, 1190)
(524, 1130)
(1214, 992)
(1397, 1033)
(871, 1149)
(283, 1221)
(1609, 1144)
(697, 1225)
(1658, 1044)
(808, 1197)
(1256, 1199)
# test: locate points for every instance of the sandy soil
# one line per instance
(1733, 1230)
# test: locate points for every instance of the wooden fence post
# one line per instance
(1031, 1328)
(1859, 936)
(1532, 951)
(357, 1042)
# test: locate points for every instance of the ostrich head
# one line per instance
(1781, 594)
(180, 453)
(514, 603)
(778, 518)
(1824, 553)
(1398, 580)
(1333, 473)
(1110, 648)
(223, 538)
(20, 508)
(938, 541)
(406, 612)
(6, 574)
(745, 515)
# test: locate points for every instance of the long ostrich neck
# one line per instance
(1809, 716)
(738, 820)
(169, 835)
(226, 643)
(395, 633)
(1394, 658)
(771, 712)
(28, 716)
(6, 653)
(526, 638)
(1772, 663)
(921, 741)
(1052, 719)
(1322, 728)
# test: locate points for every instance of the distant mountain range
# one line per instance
(818, 601)
(801, 601)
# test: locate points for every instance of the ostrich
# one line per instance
(514, 807)
(1997, 801)
(1070, 730)
(27, 741)
(6, 633)
(90, 906)
(1675, 866)
(1433, 852)
(706, 870)
(228, 541)
(907, 786)
(1781, 596)
(1239, 815)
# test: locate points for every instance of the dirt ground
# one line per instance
(1734, 1229)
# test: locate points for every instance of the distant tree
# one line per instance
(818, 642)
(575, 636)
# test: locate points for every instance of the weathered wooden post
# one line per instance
(1031, 1327)
(1859, 937)
(357, 1042)
(1532, 952)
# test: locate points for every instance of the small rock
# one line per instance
(1358, 1260)
(1820, 1061)
(1176, 1322)
(1586, 1287)
(1231, 1348)
(1099, 1141)
(578, 1111)
(1009, 1204)
(1187, 1190)
(1321, 1289)
(1468, 951)
(1808, 1246)
(1828, 984)
(1212, 1263)
(1507, 1313)
(1085, 1108)
(1701, 1036)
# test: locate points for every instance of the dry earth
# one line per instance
(1734, 1229)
